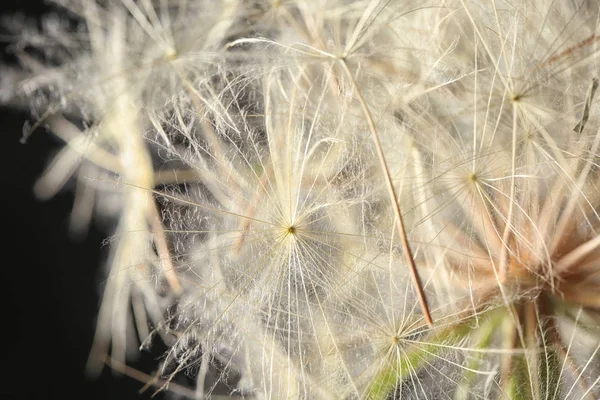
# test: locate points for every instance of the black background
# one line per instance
(50, 281)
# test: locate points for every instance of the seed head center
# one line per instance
(291, 230)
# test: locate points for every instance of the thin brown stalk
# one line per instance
(162, 249)
(145, 378)
(393, 198)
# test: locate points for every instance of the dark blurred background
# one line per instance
(51, 281)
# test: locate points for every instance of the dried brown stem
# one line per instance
(393, 199)
(162, 249)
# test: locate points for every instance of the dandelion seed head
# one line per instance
(337, 199)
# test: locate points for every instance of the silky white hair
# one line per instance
(334, 199)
